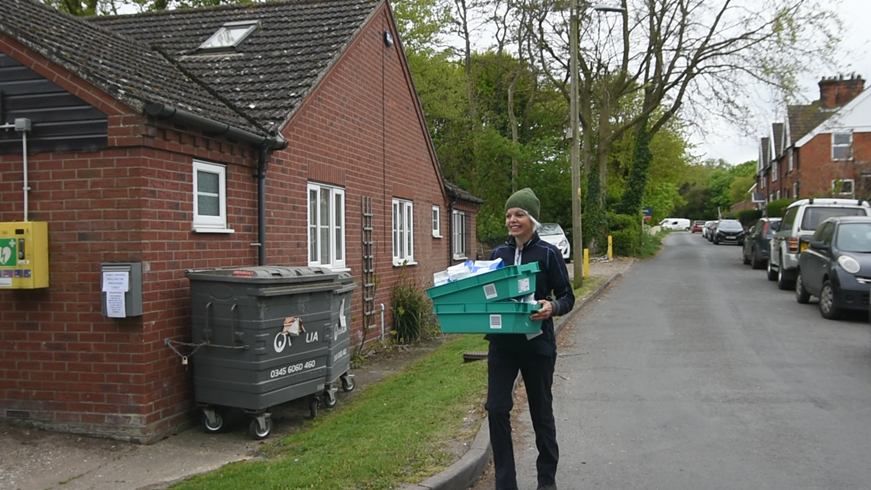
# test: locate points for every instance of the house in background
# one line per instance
(284, 133)
(822, 149)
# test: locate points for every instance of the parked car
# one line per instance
(800, 221)
(553, 233)
(706, 229)
(836, 266)
(682, 224)
(711, 230)
(755, 250)
(698, 225)
(729, 231)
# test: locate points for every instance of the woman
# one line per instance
(533, 355)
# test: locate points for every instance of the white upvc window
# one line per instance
(436, 221)
(458, 238)
(403, 232)
(210, 198)
(843, 187)
(795, 190)
(841, 144)
(790, 167)
(326, 226)
(774, 171)
(778, 193)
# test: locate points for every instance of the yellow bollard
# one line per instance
(586, 263)
(610, 248)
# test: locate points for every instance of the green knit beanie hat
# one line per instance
(524, 199)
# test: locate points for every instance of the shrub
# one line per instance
(749, 216)
(774, 209)
(625, 233)
(625, 242)
(413, 316)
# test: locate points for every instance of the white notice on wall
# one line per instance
(116, 282)
(115, 306)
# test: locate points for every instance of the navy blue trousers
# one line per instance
(537, 371)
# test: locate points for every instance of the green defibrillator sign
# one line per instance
(8, 252)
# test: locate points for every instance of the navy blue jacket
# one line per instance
(551, 282)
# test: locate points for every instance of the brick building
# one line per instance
(261, 134)
(822, 149)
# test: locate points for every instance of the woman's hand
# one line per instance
(544, 313)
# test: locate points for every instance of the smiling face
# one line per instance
(519, 225)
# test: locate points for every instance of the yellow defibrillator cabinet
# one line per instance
(23, 255)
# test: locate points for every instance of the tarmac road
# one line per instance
(695, 372)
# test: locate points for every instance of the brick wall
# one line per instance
(65, 366)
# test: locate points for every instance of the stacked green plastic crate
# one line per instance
(488, 302)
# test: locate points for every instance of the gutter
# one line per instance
(164, 112)
(265, 143)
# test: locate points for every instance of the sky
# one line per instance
(728, 144)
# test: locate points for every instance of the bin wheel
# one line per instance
(260, 430)
(348, 382)
(330, 400)
(213, 427)
(313, 406)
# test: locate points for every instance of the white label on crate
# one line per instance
(490, 291)
(6, 282)
(496, 322)
(523, 285)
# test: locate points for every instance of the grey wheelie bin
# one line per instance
(339, 340)
(263, 339)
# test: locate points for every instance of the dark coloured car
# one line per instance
(698, 225)
(755, 250)
(711, 230)
(836, 266)
(729, 231)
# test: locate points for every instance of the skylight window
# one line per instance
(230, 35)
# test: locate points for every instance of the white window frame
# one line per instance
(790, 167)
(774, 171)
(436, 221)
(795, 190)
(837, 188)
(223, 39)
(778, 193)
(329, 224)
(403, 232)
(209, 223)
(458, 235)
(841, 151)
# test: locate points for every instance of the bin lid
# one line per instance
(265, 274)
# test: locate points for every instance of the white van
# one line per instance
(675, 224)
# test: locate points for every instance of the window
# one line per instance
(326, 226)
(778, 193)
(774, 171)
(795, 190)
(403, 232)
(210, 198)
(458, 230)
(436, 222)
(843, 186)
(841, 143)
(229, 35)
(789, 157)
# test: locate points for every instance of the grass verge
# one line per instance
(395, 432)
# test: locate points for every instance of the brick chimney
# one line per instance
(837, 92)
